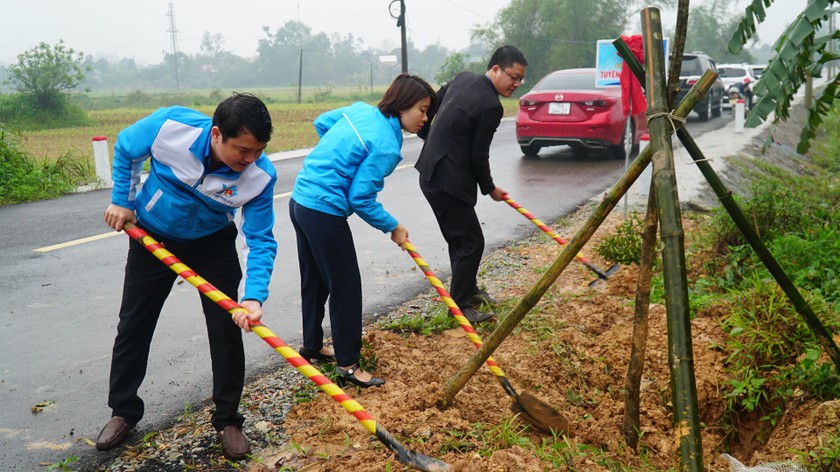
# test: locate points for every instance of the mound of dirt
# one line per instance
(578, 368)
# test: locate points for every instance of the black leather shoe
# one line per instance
(474, 316)
(349, 376)
(113, 433)
(310, 354)
(234, 444)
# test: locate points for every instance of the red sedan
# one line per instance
(565, 107)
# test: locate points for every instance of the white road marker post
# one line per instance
(643, 182)
(739, 116)
(102, 160)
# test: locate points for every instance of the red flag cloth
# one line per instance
(631, 89)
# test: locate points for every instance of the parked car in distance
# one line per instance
(694, 64)
(741, 75)
(757, 70)
(565, 107)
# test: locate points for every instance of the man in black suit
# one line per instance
(456, 159)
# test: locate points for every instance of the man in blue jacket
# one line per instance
(202, 171)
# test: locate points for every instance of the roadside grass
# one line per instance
(826, 457)
(25, 178)
(424, 324)
(557, 452)
(63, 465)
(773, 358)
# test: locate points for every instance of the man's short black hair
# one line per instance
(243, 113)
(506, 56)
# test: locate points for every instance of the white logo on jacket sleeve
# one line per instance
(172, 148)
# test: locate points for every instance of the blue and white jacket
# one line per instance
(359, 147)
(182, 200)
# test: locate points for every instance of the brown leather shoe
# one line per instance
(113, 433)
(234, 444)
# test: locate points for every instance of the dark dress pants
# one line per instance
(147, 284)
(328, 269)
(462, 231)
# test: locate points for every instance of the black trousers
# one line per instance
(328, 269)
(147, 284)
(462, 232)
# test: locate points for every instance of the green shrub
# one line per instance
(624, 245)
(23, 113)
(779, 203)
(826, 151)
(811, 260)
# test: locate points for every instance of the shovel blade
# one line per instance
(609, 272)
(406, 456)
(541, 415)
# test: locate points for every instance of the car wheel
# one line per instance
(578, 150)
(706, 113)
(624, 149)
(718, 111)
(531, 150)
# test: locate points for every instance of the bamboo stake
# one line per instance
(611, 198)
(724, 195)
(632, 383)
(676, 51)
(680, 351)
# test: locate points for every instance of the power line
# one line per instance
(174, 39)
(467, 9)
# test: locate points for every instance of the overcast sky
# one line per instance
(140, 28)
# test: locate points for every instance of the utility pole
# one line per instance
(831, 46)
(174, 39)
(399, 15)
(300, 75)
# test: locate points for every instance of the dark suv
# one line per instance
(694, 64)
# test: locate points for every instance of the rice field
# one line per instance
(292, 125)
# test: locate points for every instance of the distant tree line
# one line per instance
(553, 34)
(328, 60)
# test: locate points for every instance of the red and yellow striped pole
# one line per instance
(412, 458)
(544, 227)
(532, 409)
(472, 335)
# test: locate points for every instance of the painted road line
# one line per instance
(89, 239)
(76, 242)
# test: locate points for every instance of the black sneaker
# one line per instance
(474, 316)
(482, 298)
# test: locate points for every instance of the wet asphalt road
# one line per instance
(59, 309)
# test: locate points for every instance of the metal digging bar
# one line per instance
(728, 202)
(536, 412)
(404, 455)
(602, 275)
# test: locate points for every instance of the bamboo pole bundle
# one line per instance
(530, 299)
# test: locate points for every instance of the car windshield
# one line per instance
(732, 71)
(571, 81)
(691, 66)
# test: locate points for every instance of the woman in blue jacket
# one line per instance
(360, 146)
